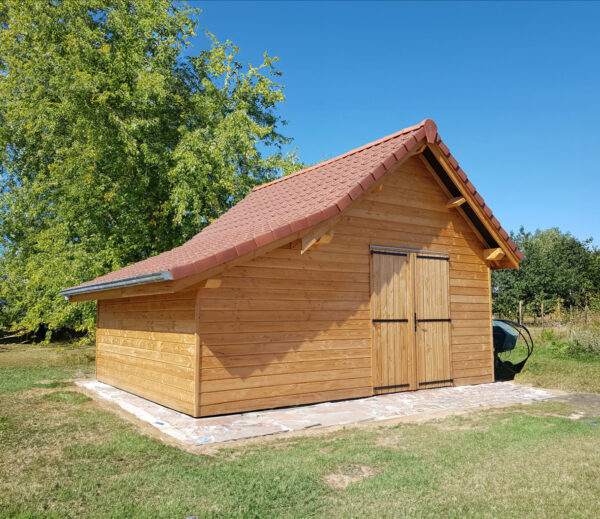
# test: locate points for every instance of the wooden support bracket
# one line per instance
(321, 234)
(457, 201)
(493, 254)
(313, 241)
(213, 283)
(325, 239)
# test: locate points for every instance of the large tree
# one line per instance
(115, 145)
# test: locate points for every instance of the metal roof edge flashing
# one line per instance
(140, 279)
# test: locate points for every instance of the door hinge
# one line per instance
(378, 388)
(443, 258)
(385, 253)
(447, 381)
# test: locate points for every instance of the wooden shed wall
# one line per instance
(287, 328)
(146, 345)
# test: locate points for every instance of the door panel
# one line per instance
(432, 312)
(391, 298)
(391, 308)
(432, 286)
(433, 354)
(392, 357)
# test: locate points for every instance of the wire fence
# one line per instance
(557, 316)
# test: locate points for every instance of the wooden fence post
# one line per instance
(587, 309)
(520, 312)
(571, 314)
(587, 315)
(542, 314)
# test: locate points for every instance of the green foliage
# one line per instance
(115, 146)
(587, 340)
(557, 267)
(582, 342)
(547, 335)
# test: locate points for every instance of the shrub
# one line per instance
(582, 341)
(548, 336)
(586, 340)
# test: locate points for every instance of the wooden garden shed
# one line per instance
(368, 273)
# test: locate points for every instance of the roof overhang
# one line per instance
(141, 279)
(438, 159)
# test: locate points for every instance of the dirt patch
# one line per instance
(590, 401)
(587, 406)
(390, 442)
(347, 474)
(461, 427)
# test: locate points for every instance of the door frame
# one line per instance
(414, 385)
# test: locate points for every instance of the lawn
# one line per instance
(62, 455)
(550, 368)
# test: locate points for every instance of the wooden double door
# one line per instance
(411, 320)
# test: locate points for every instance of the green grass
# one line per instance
(25, 366)
(67, 397)
(62, 455)
(550, 368)
(53, 385)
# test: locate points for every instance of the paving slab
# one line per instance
(217, 429)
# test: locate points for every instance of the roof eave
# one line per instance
(140, 279)
(459, 178)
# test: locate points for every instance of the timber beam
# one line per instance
(457, 201)
(493, 254)
(324, 239)
(213, 283)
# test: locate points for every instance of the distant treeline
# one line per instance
(559, 271)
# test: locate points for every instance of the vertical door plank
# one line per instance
(433, 337)
(393, 341)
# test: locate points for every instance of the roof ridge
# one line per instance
(343, 155)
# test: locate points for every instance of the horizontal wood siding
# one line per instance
(286, 329)
(289, 328)
(146, 345)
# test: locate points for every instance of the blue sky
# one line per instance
(513, 88)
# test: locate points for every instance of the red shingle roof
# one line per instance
(293, 203)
